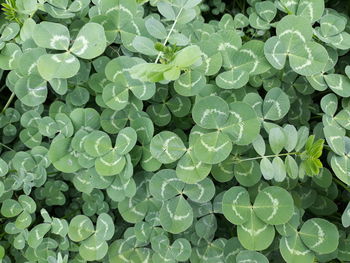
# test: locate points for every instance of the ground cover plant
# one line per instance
(174, 131)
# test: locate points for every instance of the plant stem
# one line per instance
(169, 34)
(270, 156)
(4, 145)
(8, 102)
(347, 188)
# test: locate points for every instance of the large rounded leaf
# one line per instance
(176, 215)
(80, 228)
(213, 147)
(320, 235)
(31, 90)
(243, 125)
(62, 156)
(58, 66)
(276, 104)
(51, 35)
(274, 205)
(255, 234)
(210, 112)
(90, 41)
(236, 205)
(167, 147)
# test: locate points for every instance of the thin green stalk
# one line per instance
(50, 173)
(9, 148)
(270, 156)
(3, 87)
(169, 34)
(8, 102)
(337, 181)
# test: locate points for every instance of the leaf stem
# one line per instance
(347, 188)
(8, 102)
(169, 34)
(9, 148)
(270, 156)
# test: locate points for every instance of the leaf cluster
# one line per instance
(174, 131)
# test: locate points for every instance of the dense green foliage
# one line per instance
(174, 131)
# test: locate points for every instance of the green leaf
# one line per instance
(293, 30)
(104, 227)
(27, 203)
(10, 31)
(80, 228)
(31, 90)
(90, 41)
(345, 218)
(58, 66)
(213, 147)
(313, 10)
(274, 205)
(155, 28)
(190, 170)
(233, 79)
(187, 56)
(332, 25)
(293, 250)
(276, 104)
(36, 234)
(10, 56)
(291, 137)
(341, 167)
(93, 248)
(201, 192)
(165, 185)
(176, 215)
(247, 173)
(253, 256)
(110, 164)
(167, 147)
(236, 205)
(267, 169)
(144, 45)
(3, 168)
(97, 144)
(255, 234)
(243, 125)
(339, 84)
(259, 145)
(126, 140)
(308, 58)
(11, 208)
(210, 112)
(51, 35)
(319, 235)
(189, 83)
(181, 249)
(277, 140)
(62, 156)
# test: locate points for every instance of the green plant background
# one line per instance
(174, 131)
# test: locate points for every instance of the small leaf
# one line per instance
(277, 140)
